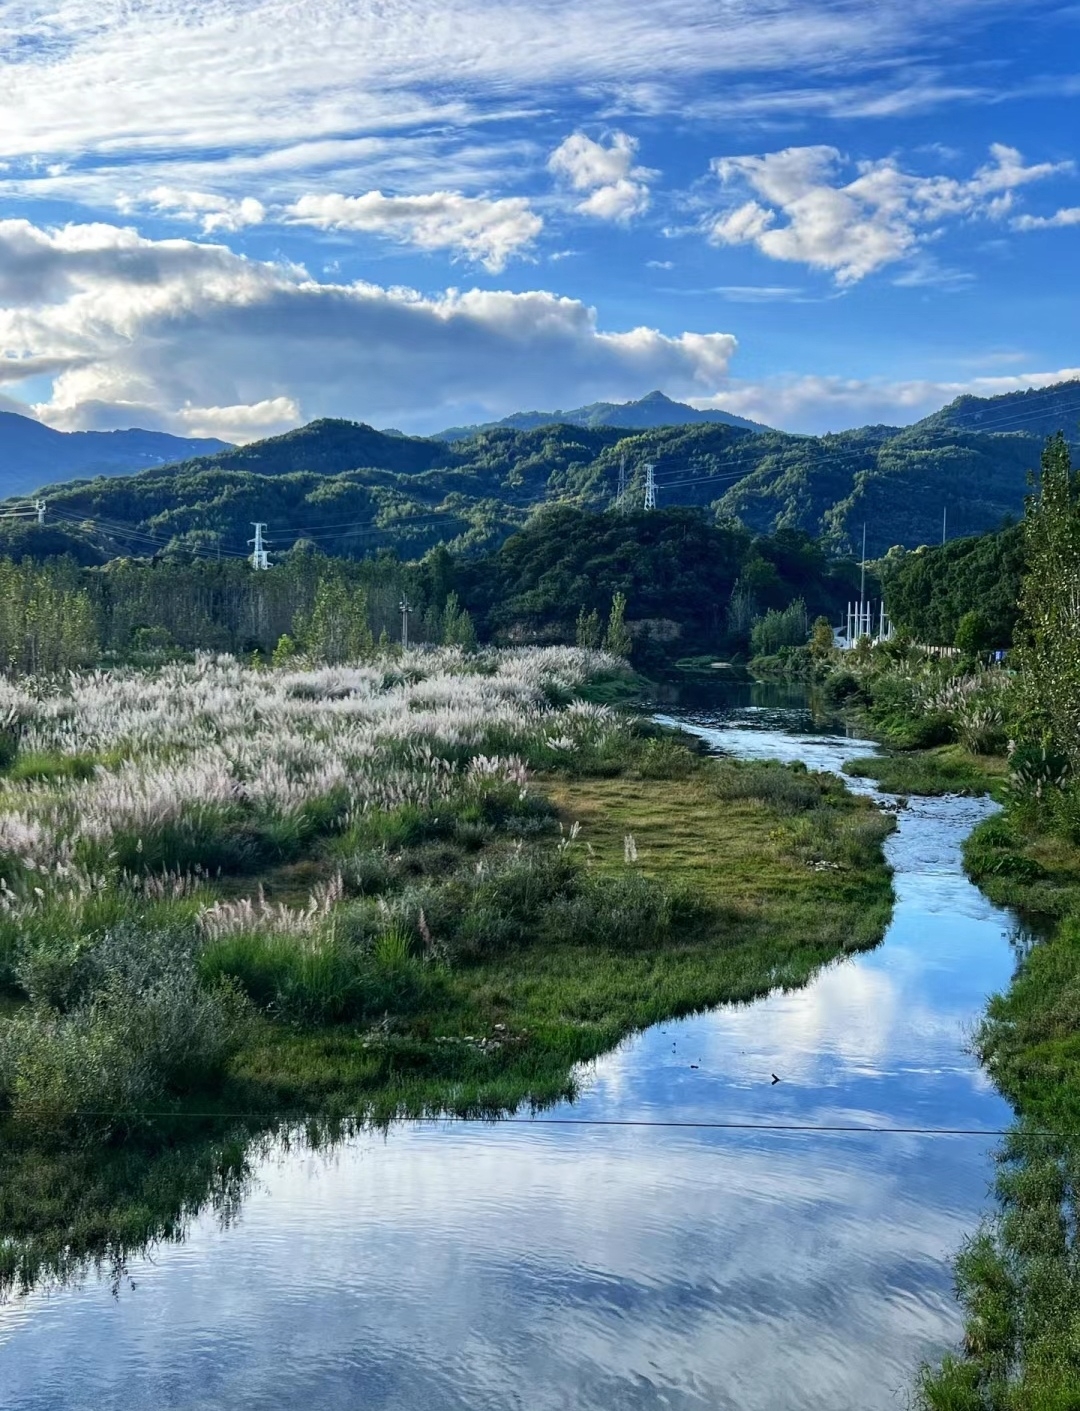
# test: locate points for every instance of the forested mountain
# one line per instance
(31, 453)
(352, 490)
(1040, 411)
(649, 411)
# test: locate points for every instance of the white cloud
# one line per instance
(1069, 215)
(483, 229)
(819, 404)
(211, 211)
(803, 210)
(618, 188)
(197, 336)
(79, 77)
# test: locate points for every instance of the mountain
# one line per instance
(32, 454)
(353, 490)
(650, 411)
(1039, 411)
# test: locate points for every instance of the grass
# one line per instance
(739, 879)
(763, 916)
(945, 769)
(1018, 1277)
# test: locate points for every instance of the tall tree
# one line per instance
(1050, 602)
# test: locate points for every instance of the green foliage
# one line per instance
(1051, 593)
(457, 625)
(617, 639)
(821, 639)
(789, 627)
(46, 618)
(284, 651)
(929, 591)
(141, 1028)
(588, 631)
(336, 629)
(973, 634)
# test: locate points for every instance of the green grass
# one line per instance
(946, 769)
(765, 917)
(1019, 1276)
(747, 877)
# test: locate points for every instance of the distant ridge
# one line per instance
(1037, 411)
(33, 455)
(648, 412)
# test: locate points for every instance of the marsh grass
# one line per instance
(947, 769)
(449, 923)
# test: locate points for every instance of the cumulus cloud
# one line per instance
(478, 227)
(213, 212)
(618, 188)
(803, 210)
(204, 338)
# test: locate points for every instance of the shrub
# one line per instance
(621, 911)
(145, 1029)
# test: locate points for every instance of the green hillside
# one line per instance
(352, 490)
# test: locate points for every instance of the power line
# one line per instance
(643, 1123)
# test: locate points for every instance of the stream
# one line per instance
(588, 1264)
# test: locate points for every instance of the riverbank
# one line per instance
(1018, 1278)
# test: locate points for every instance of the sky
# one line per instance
(233, 217)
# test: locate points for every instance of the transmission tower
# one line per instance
(406, 608)
(620, 498)
(260, 558)
(650, 487)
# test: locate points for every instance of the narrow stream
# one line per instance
(605, 1266)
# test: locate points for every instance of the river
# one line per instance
(631, 1250)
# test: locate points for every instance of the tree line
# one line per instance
(654, 585)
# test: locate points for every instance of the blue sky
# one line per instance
(231, 218)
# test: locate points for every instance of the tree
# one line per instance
(789, 628)
(588, 632)
(821, 638)
(458, 629)
(972, 634)
(285, 650)
(336, 629)
(1050, 603)
(617, 639)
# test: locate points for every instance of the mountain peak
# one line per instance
(654, 410)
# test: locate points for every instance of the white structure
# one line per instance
(863, 621)
(650, 487)
(259, 558)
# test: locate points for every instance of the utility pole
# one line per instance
(864, 612)
(39, 507)
(620, 498)
(944, 518)
(260, 559)
(406, 608)
(650, 487)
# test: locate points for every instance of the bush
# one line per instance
(622, 912)
(145, 1029)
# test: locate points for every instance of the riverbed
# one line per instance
(689, 1234)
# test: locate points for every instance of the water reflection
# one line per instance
(547, 1266)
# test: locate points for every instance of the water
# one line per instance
(599, 1266)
